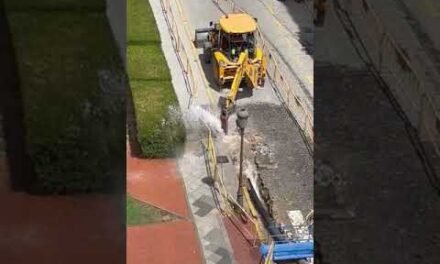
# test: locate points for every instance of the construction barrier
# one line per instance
(180, 49)
(188, 55)
(227, 203)
(289, 91)
(269, 254)
(405, 75)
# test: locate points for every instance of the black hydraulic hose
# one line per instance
(268, 221)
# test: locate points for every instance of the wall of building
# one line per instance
(397, 55)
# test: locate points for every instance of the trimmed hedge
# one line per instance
(74, 128)
(141, 25)
(160, 129)
(159, 125)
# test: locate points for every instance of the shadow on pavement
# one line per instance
(301, 12)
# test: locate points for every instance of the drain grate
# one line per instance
(222, 159)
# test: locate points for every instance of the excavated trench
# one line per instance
(276, 160)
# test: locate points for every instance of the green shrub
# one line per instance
(159, 123)
(74, 128)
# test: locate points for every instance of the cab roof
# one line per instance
(238, 23)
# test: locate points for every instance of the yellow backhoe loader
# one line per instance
(231, 45)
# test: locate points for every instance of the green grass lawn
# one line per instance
(147, 62)
(139, 213)
(160, 129)
(74, 133)
(141, 26)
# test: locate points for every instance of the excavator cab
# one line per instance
(233, 35)
(239, 43)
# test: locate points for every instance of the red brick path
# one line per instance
(157, 182)
(174, 242)
(242, 243)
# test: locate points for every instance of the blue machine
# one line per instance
(289, 250)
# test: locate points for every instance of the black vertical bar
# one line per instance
(21, 175)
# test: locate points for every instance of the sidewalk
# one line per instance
(212, 233)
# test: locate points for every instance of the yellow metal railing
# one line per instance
(228, 202)
(173, 9)
(269, 257)
(253, 213)
(215, 174)
(179, 47)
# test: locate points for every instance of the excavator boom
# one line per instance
(239, 74)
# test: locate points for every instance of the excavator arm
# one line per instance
(230, 99)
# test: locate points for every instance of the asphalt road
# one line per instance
(288, 27)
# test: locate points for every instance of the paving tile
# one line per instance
(212, 247)
(208, 199)
(204, 229)
(222, 251)
(214, 258)
(203, 207)
(225, 260)
(214, 234)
